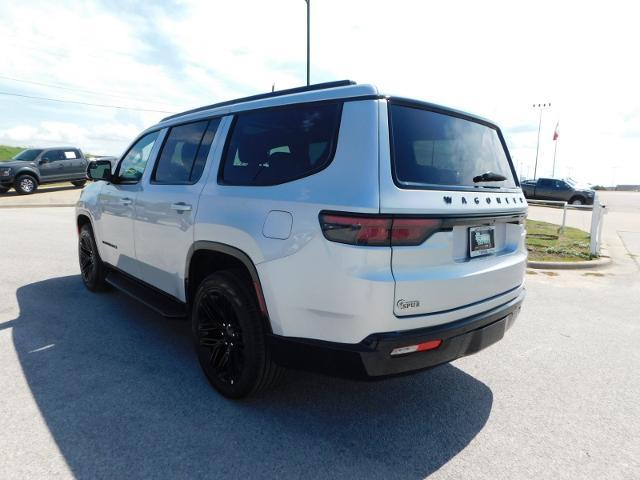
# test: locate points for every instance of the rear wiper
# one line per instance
(489, 177)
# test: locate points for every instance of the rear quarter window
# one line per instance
(269, 147)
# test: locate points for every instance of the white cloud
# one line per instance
(20, 133)
(495, 58)
(96, 139)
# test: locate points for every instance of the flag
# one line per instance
(556, 132)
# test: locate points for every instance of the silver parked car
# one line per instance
(328, 227)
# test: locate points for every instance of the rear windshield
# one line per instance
(434, 149)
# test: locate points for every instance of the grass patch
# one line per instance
(545, 244)
(7, 152)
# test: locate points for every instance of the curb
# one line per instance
(38, 205)
(600, 262)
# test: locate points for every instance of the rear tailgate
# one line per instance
(428, 165)
(441, 275)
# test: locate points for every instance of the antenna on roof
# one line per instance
(273, 87)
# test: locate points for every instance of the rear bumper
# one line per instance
(372, 357)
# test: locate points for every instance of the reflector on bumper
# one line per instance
(420, 347)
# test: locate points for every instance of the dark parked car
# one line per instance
(36, 166)
(561, 190)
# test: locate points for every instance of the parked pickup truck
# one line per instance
(37, 166)
(561, 190)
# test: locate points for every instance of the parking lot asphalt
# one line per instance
(98, 386)
(63, 194)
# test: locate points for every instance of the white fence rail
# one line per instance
(597, 219)
(598, 211)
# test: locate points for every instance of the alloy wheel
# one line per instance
(27, 185)
(87, 258)
(219, 338)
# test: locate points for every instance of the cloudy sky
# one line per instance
(487, 57)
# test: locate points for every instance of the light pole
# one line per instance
(541, 106)
(308, 41)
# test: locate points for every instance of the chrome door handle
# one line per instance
(181, 207)
(126, 201)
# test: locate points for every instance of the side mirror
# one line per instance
(44, 160)
(99, 170)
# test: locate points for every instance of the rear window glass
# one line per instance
(268, 147)
(434, 149)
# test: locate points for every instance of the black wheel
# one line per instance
(577, 201)
(229, 336)
(92, 270)
(4, 189)
(25, 184)
(79, 184)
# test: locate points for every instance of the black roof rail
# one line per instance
(260, 96)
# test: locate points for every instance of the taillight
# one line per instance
(369, 231)
(376, 230)
(413, 231)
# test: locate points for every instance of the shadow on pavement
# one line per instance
(123, 396)
(42, 189)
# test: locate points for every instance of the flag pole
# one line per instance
(556, 137)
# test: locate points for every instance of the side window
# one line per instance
(134, 162)
(268, 147)
(545, 182)
(203, 151)
(184, 153)
(54, 155)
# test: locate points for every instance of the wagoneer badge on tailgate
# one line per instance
(449, 200)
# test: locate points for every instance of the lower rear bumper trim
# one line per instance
(372, 358)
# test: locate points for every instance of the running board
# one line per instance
(160, 302)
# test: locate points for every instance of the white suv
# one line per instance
(328, 227)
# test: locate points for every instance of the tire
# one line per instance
(79, 184)
(230, 336)
(25, 184)
(92, 270)
(4, 189)
(577, 201)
